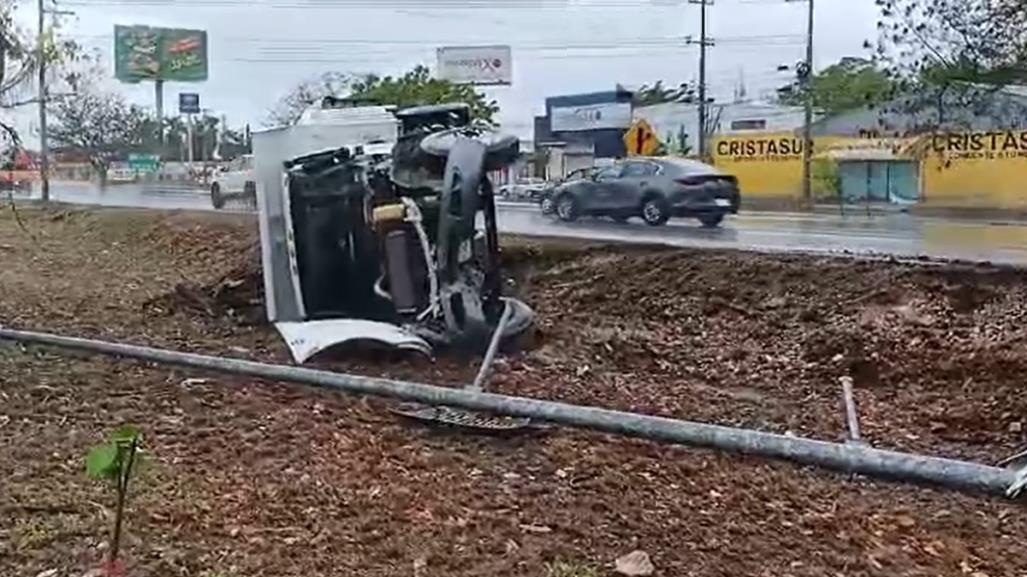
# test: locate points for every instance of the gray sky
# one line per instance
(260, 48)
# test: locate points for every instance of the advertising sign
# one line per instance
(591, 117)
(188, 103)
(144, 53)
(479, 65)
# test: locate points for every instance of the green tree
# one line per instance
(417, 87)
(235, 142)
(954, 55)
(849, 84)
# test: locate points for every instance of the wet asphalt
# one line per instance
(853, 232)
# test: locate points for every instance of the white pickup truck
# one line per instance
(237, 180)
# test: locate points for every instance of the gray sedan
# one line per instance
(654, 189)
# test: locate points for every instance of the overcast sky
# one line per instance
(260, 48)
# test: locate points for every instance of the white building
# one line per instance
(677, 123)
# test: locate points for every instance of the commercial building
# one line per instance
(956, 151)
(677, 123)
(582, 130)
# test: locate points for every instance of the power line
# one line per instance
(384, 5)
(741, 40)
(437, 5)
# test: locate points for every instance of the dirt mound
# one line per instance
(255, 478)
(237, 297)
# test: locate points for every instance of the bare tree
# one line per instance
(291, 106)
(19, 62)
(17, 65)
(99, 125)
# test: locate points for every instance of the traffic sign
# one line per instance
(143, 162)
(188, 103)
(641, 140)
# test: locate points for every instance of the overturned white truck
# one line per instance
(380, 225)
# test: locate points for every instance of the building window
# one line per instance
(758, 124)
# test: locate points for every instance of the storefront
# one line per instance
(581, 129)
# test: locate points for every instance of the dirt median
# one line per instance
(265, 479)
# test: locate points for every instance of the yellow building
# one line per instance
(974, 170)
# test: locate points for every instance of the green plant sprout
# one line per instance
(114, 462)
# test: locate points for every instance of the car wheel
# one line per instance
(567, 208)
(546, 204)
(216, 198)
(655, 211)
(711, 220)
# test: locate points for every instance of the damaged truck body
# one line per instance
(379, 226)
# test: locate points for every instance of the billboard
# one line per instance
(479, 65)
(601, 116)
(145, 53)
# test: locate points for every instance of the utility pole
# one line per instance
(189, 136)
(44, 147)
(806, 77)
(158, 92)
(704, 42)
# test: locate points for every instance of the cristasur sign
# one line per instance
(478, 65)
(762, 148)
(981, 145)
(601, 116)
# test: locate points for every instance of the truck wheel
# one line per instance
(215, 196)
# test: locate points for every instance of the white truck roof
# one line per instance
(316, 115)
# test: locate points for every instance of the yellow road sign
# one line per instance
(641, 140)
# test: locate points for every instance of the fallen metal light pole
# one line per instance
(853, 459)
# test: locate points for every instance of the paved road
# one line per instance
(899, 234)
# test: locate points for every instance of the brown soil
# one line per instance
(251, 478)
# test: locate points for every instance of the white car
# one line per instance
(523, 189)
(237, 180)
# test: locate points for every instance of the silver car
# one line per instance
(654, 189)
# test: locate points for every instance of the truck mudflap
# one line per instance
(307, 339)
